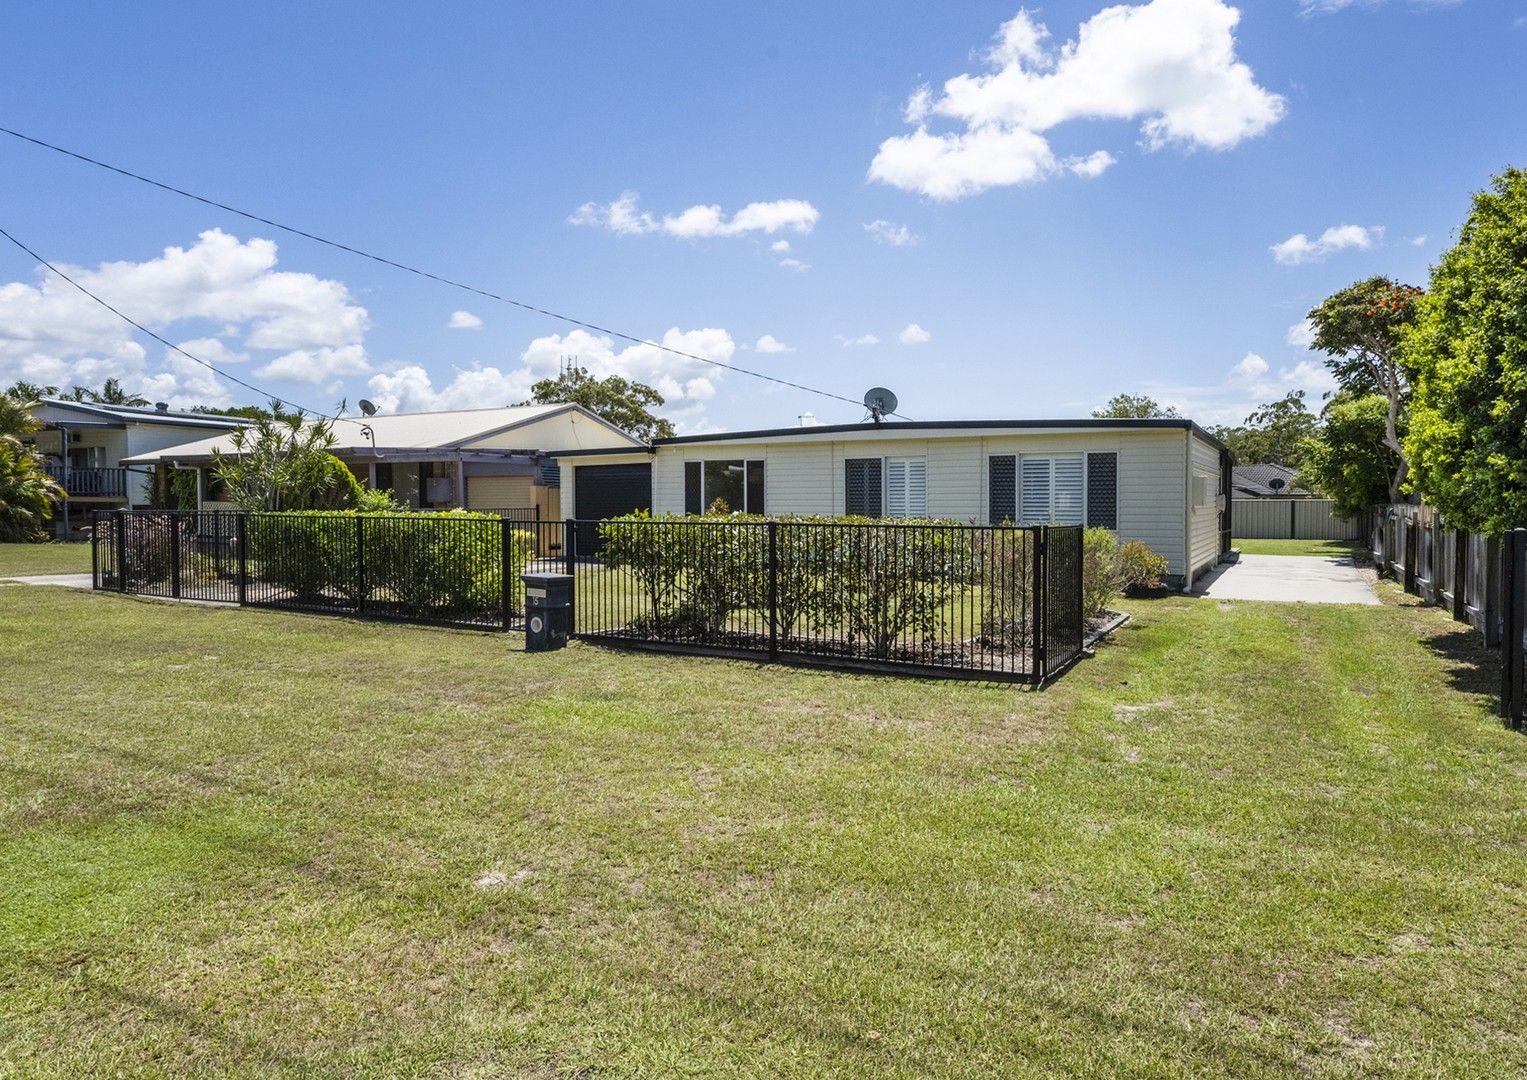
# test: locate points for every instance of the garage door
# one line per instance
(606, 491)
(499, 493)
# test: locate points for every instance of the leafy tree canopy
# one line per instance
(110, 393)
(286, 465)
(1347, 460)
(628, 405)
(274, 411)
(1273, 434)
(1134, 407)
(1467, 359)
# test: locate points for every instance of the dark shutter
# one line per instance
(694, 498)
(755, 488)
(862, 494)
(1002, 489)
(1103, 490)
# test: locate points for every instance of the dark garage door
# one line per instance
(606, 491)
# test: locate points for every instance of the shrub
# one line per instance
(378, 501)
(1007, 588)
(1102, 576)
(1140, 568)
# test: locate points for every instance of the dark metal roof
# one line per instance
(1253, 480)
(144, 414)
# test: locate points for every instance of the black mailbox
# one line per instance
(548, 610)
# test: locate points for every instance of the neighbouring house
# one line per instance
(500, 459)
(1266, 482)
(1166, 482)
(88, 447)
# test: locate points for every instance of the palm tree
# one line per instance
(110, 393)
(27, 493)
(16, 417)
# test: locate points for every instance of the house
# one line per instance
(1165, 481)
(87, 448)
(497, 459)
(1266, 482)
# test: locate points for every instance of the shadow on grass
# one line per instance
(1472, 667)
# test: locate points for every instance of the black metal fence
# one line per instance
(1480, 579)
(975, 601)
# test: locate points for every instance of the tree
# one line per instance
(1349, 460)
(16, 417)
(249, 412)
(628, 405)
(1360, 330)
(285, 465)
(110, 393)
(30, 391)
(1273, 434)
(1467, 359)
(27, 493)
(1134, 407)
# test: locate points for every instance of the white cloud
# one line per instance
(1301, 335)
(779, 247)
(770, 344)
(1251, 368)
(685, 383)
(1330, 7)
(1418, 241)
(623, 216)
(795, 264)
(913, 334)
(861, 340)
(1299, 248)
(52, 333)
(464, 320)
(319, 367)
(1170, 64)
(888, 232)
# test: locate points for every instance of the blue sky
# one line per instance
(1101, 201)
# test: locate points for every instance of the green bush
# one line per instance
(1140, 568)
(1007, 588)
(1102, 575)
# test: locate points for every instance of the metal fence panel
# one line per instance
(1293, 519)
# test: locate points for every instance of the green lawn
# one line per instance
(1328, 548)
(19, 560)
(1244, 840)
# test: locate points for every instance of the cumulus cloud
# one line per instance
(625, 217)
(795, 264)
(1251, 368)
(1169, 64)
(888, 232)
(1418, 241)
(225, 291)
(913, 334)
(686, 384)
(464, 320)
(780, 247)
(771, 344)
(1301, 335)
(861, 340)
(1250, 382)
(1299, 248)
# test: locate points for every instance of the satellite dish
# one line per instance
(367, 409)
(1277, 483)
(880, 402)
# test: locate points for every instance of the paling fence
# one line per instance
(1480, 579)
(1294, 519)
(982, 602)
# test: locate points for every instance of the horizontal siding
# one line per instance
(1203, 521)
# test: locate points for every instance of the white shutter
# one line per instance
(917, 488)
(1069, 501)
(1036, 491)
(896, 488)
(906, 487)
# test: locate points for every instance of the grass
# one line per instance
(1244, 840)
(21, 560)
(1331, 549)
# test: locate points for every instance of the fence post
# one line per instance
(773, 590)
(243, 537)
(360, 565)
(175, 554)
(1037, 538)
(1513, 609)
(1293, 520)
(505, 544)
(570, 554)
(1411, 544)
(1492, 605)
(1460, 575)
(120, 525)
(95, 544)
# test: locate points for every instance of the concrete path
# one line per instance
(69, 581)
(1305, 579)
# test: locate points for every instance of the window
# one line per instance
(862, 488)
(740, 484)
(1052, 490)
(1002, 489)
(906, 487)
(1103, 490)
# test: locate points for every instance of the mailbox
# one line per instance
(548, 610)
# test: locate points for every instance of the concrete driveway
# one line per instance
(1302, 579)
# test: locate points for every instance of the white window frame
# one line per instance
(888, 467)
(1024, 460)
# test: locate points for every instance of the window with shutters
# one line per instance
(738, 484)
(1002, 489)
(906, 487)
(862, 496)
(1052, 489)
(1103, 490)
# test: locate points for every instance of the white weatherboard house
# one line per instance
(1161, 481)
(481, 459)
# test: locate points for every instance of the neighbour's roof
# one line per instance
(924, 427)
(1253, 480)
(423, 431)
(116, 415)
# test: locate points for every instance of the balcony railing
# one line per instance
(102, 483)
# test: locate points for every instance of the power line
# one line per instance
(570, 320)
(135, 324)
